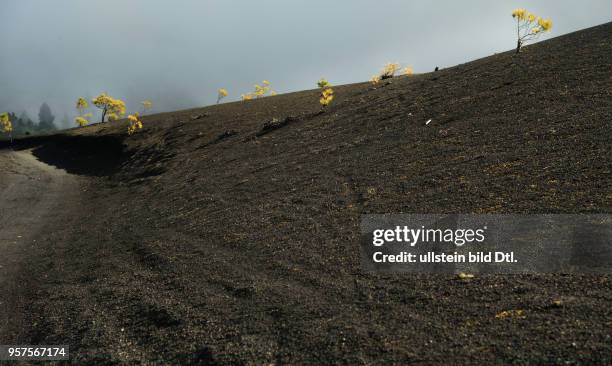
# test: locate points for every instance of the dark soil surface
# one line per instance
(229, 234)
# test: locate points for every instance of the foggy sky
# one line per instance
(178, 53)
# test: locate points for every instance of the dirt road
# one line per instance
(32, 195)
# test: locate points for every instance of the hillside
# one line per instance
(207, 238)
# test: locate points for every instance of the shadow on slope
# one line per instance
(96, 156)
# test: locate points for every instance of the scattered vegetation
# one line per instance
(529, 27)
(110, 106)
(221, 93)
(146, 105)
(327, 93)
(465, 276)
(135, 123)
(390, 70)
(81, 121)
(323, 83)
(7, 126)
(260, 91)
(83, 118)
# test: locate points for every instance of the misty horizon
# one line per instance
(178, 55)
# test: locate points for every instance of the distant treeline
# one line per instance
(23, 124)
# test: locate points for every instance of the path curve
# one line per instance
(31, 193)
